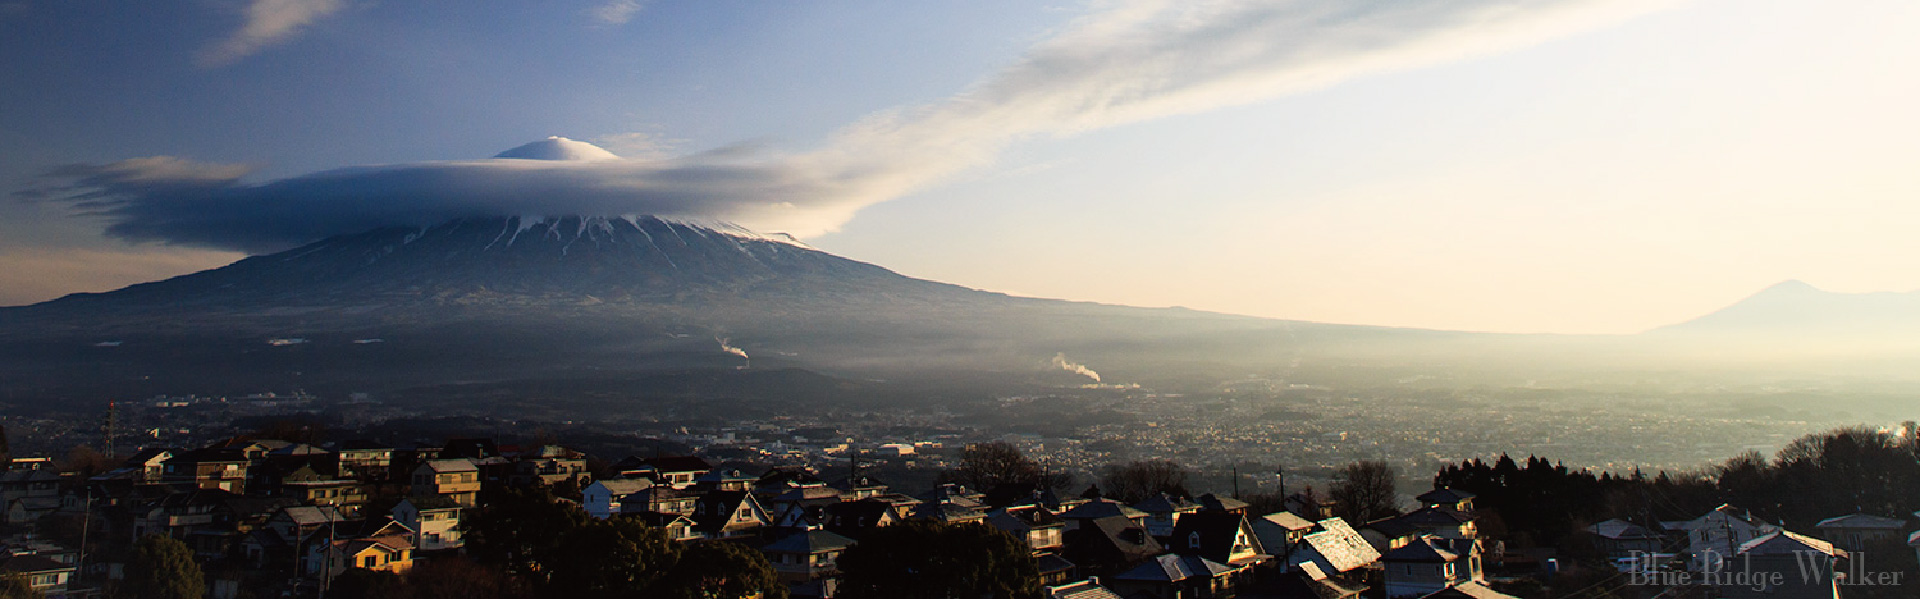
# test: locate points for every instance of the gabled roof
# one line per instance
(1444, 496)
(26, 564)
(1023, 518)
(1101, 508)
(1421, 550)
(1341, 546)
(1085, 589)
(623, 486)
(1217, 531)
(1787, 542)
(451, 465)
(1437, 516)
(1467, 590)
(1392, 527)
(946, 512)
(1214, 502)
(1288, 520)
(857, 514)
(678, 464)
(1862, 521)
(1175, 568)
(1162, 503)
(308, 515)
(812, 541)
(1118, 533)
(1622, 530)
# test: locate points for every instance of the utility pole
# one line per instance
(108, 429)
(1236, 481)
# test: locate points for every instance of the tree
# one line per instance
(609, 559)
(521, 530)
(15, 586)
(987, 465)
(361, 583)
(1364, 491)
(163, 568)
(460, 578)
(85, 461)
(1139, 480)
(720, 570)
(920, 559)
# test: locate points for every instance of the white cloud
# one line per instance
(617, 12)
(1129, 62)
(268, 22)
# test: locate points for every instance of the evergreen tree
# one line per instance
(920, 559)
(163, 568)
(720, 571)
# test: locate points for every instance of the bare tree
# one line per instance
(1139, 480)
(1364, 491)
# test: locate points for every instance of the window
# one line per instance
(368, 562)
(1193, 540)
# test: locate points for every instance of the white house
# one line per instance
(434, 520)
(603, 499)
(1718, 535)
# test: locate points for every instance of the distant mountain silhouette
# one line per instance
(1794, 309)
(512, 297)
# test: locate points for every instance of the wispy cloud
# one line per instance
(1127, 62)
(617, 12)
(268, 22)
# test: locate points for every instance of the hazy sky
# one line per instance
(1570, 166)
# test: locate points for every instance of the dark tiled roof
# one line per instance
(1444, 496)
(812, 541)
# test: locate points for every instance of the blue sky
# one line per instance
(1556, 166)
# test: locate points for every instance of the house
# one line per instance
(608, 498)
(859, 487)
(1714, 537)
(1620, 539)
(29, 494)
(676, 472)
(1390, 533)
(364, 460)
(729, 514)
(210, 468)
(854, 518)
(1453, 499)
(47, 576)
(454, 479)
(1222, 537)
(549, 465)
(731, 479)
(435, 522)
(1101, 508)
(1442, 521)
(1039, 528)
(802, 507)
(312, 488)
(1786, 565)
(1428, 565)
(150, 463)
(1163, 510)
(1854, 532)
(1335, 550)
(804, 560)
(387, 549)
(1280, 531)
(1174, 576)
(1110, 545)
